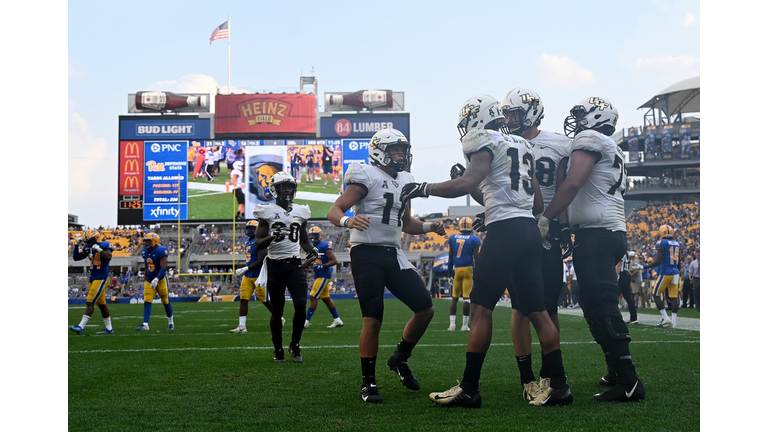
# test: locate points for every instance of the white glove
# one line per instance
(241, 271)
(80, 240)
(543, 226)
(96, 248)
(154, 283)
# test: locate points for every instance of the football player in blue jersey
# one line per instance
(463, 250)
(250, 274)
(156, 282)
(668, 274)
(323, 267)
(100, 253)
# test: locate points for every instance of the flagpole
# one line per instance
(229, 56)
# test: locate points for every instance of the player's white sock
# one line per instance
(453, 320)
(664, 314)
(170, 320)
(466, 321)
(108, 323)
(674, 318)
(84, 321)
(242, 320)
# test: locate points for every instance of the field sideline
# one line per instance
(201, 377)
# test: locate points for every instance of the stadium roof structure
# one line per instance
(681, 98)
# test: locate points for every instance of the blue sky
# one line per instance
(438, 53)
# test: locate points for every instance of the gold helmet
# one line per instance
(666, 231)
(151, 240)
(465, 224)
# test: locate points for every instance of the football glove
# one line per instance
(279, 234)
(457, 171)
(241, 271)
(79, 241)
(479, 223)
(312, 254)
(317, 267)
(565, 242)
(413, 190)
(544, 231)
(154, 283)
(96, 248)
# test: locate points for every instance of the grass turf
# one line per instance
(200, 377)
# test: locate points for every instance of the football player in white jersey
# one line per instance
(373, 192)
(523, 110)
(593, 194)
(283, 229)
(500, 176)
(236, 182)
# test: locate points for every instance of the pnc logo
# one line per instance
(162, 147)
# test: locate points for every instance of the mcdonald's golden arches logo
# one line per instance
(131, 149)
(131, 166)
(131, 183)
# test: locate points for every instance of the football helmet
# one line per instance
(481, 112)
(666, 231)
(238, 165)
(522, 110)
(151, 240)
(92, 237)
(591, 113)
(380, 142)
(315, 235)
(250, 228)
(282, 187)
(465, 225)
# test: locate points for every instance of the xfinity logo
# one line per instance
(162, 147)
(165, 211)
(165, 129)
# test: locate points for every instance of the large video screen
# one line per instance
(192, 180)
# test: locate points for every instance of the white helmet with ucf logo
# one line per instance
(480, 112)
(591, 113)
(377, 149)
(522, 109)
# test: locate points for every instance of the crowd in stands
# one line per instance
(664, 182)
(644, 222)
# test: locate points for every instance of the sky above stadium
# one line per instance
(438, 53)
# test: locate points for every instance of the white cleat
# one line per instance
(452, 328)
(306, 323)
(239, 329)
(282, 321)
(336, 323)
(464, 328)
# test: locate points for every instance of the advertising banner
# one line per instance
(265, 114)
(633, 145)
(666, 141)
(362, 125)
(165, 180)
(261, 163)
(685, 141)
(649, 139)
(163, 128)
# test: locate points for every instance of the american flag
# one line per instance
(221, 32)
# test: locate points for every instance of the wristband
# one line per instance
(428, 190)
(344, 221)
(427, 227)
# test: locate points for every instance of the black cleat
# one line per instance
(609, 380)
(404, 373)
(457, 397)
(279, 355)
(295, 351)
(622, 393)
(370, 393)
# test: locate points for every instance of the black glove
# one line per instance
(457, 171)
(413, 190)
(479, 223)
(91, 241)
(312, 255)
(565, 242)
(279, 233)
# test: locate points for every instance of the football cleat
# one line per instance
(336, 323)
(370, 393)
(609, 380)
(306, 323)
(77, 329)
(456, 396)
(106, 331)
(633, 321)
(282, 320)
(452, 328)
(531, 390)
(404, 373)
(143, 327)
(464, 328)
(239, 329)
(665, 322)
(170, 326)
(279, 356)
(549, 396)
(622, 393)
(295, 351)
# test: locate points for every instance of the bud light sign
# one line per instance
(362, 125)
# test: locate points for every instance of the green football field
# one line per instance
(199, 377)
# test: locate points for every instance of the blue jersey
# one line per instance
(251, 256)
(669, 263)
(463, 249)
(152, 260)
(99, 267)
(319, 267)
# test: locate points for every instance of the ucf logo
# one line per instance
(599, 103)
(470, 110)
(375, 142)
(530, 100)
